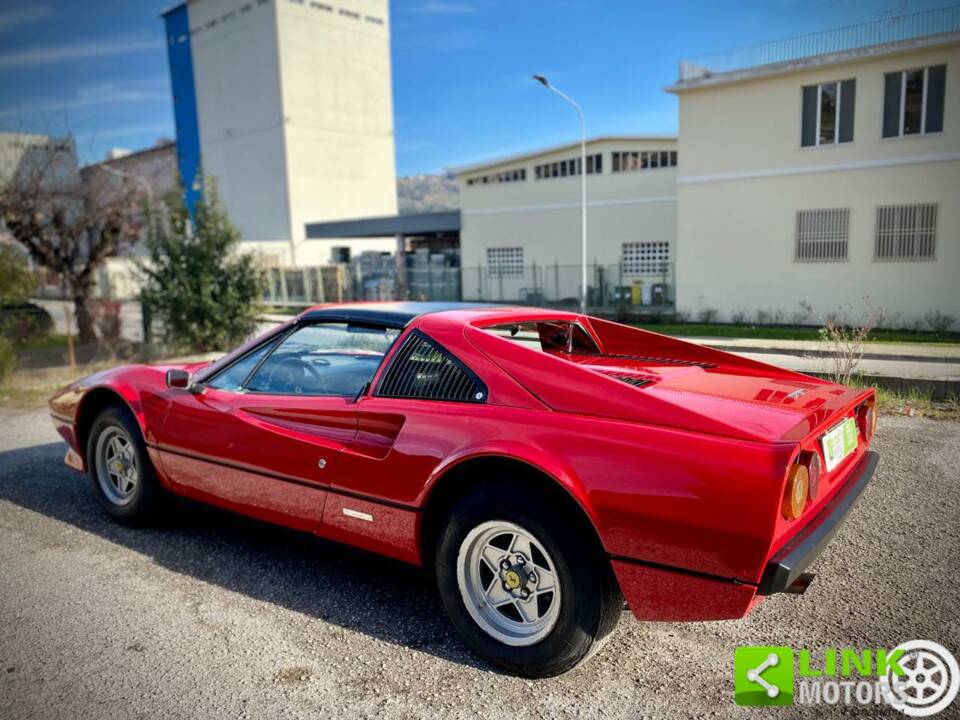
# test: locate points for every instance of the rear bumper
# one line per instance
(656, 592)
(789, 563)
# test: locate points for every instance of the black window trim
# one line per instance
(278, 339)
(416, 332)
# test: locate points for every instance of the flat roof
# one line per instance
(431, 223)
(887, 36)
(526, 155)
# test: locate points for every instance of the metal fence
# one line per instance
(622, 287)
(356, 282)
(608, 286)
(876, 32)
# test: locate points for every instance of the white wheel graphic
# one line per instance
(931, 682)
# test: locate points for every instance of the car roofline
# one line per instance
(401, 314)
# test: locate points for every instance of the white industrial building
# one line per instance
(520, 234)
(811, 177)
(287, 105)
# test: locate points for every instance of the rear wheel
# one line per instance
(525, 591)
(120, 469)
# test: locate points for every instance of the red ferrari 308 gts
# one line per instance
(545, 465)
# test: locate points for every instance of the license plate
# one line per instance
(839, 442)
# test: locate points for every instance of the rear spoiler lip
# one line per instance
(852, 398)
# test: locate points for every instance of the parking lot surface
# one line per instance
(215, 616)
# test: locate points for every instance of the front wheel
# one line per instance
(525, 591)
(120, 469)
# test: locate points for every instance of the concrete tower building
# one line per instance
(287, 104)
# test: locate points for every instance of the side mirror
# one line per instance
(179, 379)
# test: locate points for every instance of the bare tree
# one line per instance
(69, 222)
(847, 341)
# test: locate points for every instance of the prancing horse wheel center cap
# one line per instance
(512, 579)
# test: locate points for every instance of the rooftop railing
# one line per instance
(876, 32)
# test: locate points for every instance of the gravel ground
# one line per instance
(216, 616)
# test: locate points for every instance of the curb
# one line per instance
(937, 389)
(797, 352)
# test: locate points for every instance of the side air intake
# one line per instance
(423, 370)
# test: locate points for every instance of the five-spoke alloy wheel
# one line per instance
(525, 580)
(116, 464)
(508, 583)
(120, 468)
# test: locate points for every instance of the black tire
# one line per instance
(146, 499)
(591, 601)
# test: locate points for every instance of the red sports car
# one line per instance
(545, 465)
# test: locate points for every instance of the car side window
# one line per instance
(423, 370)
(232, 377)
(323, 359)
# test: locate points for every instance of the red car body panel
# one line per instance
(682, 478)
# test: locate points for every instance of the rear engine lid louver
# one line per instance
(634, 380)
(661, 360)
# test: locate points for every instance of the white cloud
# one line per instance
(126, 131)
(10, 19)
(76, 51)
(442, 7)
(97, 94)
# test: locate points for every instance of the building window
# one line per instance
(567, 168)
(628, 161)
(501, 177)
(828, 113)
(823, 235)
(645, 258)
(505, 261)
(906, 232)
(913, 101)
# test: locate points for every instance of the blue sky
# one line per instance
(461, 68)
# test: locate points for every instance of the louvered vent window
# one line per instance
(906, 232)
(421, 370)
(822, 235)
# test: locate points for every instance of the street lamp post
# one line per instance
(583, 188)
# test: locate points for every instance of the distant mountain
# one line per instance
(427, 193)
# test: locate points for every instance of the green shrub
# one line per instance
(23, 321)
(16, 280)
(8, 359)
(201, 289)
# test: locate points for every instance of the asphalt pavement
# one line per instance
(216, 616)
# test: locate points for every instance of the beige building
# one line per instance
(819, 181)
(520, 234)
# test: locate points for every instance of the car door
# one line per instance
(265, 436)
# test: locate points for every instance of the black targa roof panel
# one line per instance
(391, 314)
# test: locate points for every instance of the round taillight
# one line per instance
(795, 494)
(867, 418)
(811, 459)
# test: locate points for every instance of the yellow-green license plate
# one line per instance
(839, 442)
